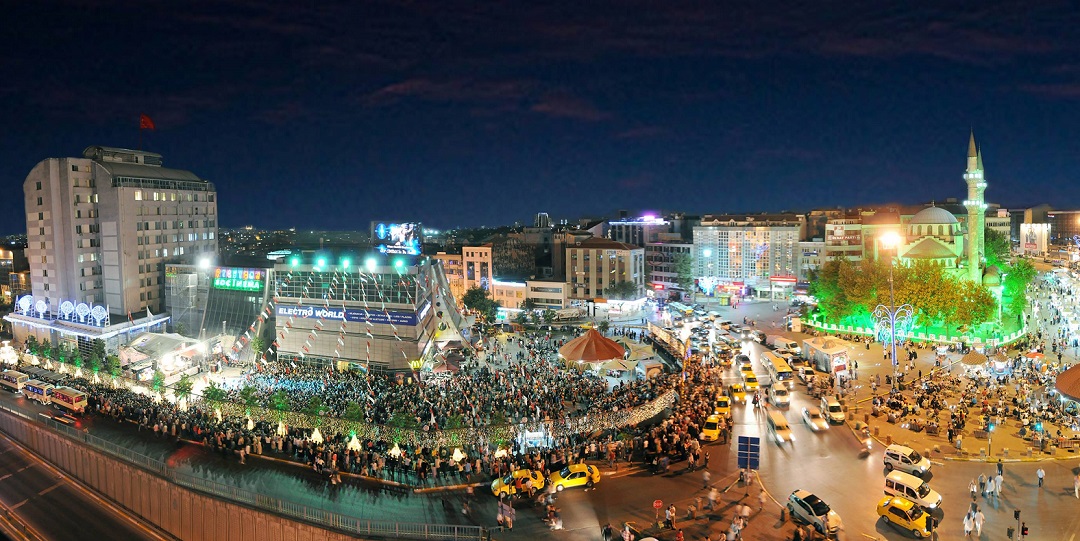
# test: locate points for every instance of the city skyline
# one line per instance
(329, 118)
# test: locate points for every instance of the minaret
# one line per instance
(976, 209)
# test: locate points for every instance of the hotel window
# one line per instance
(39, 200)
(75, 168)
(39, 185)
(138, 195)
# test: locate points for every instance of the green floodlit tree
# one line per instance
(998, 249)
(1014, 286)
(848, 291)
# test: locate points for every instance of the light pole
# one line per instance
(892, 313)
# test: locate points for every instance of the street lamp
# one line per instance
(892, 314)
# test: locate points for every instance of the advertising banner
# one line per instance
(355, 315)
(397, 238)
(239, 279)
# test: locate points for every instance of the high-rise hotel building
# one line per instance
(101, 227)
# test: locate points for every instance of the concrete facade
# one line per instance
(596, 264)
(101, 227)
(477, 266)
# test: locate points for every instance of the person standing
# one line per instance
(1041, 474)
(1000, 468)
(605, 532)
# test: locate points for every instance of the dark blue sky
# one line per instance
(326, 115)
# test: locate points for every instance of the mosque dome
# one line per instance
(933, 215)
(992, 276)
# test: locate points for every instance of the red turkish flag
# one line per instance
(145, 123)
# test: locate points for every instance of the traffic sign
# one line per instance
(658, 504)
(749, 453)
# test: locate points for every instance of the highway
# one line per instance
(55, 506)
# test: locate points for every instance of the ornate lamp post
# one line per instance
(893, 315)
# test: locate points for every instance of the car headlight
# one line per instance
(792, 437)
(779, 439)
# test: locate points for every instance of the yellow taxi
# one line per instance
(722, 406)
(738, 393)
(711, 430)
(904, 514)
(575, 475)
(746, 369)
(750, 381)
(508, 485)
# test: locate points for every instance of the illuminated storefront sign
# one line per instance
(239, 279)
(355, 315)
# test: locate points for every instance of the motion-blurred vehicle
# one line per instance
(814, 419)
(905, 515)
(508, 485)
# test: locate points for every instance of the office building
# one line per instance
(748, 251)
(595, 264)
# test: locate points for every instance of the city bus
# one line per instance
(13, 380)
(38, 390)
(777, 367)
(72, 400)
(680, 310)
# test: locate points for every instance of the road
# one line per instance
(827, 464)
(55, 506)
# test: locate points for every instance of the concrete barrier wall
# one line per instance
(183, 513)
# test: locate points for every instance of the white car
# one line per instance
(808, 508)
(814, 419)
(779, 396)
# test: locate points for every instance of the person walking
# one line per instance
(973, 488)
(978, 519)
(1000, 468)
(982, 483)
(1076, 486)
(1040, 474)
(713, 496)
(706, 477)
(998, 480)
(605, 532)
(969, 524)
(761, 500)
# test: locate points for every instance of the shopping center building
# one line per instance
(377, 312)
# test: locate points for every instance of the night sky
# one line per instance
(326, 115)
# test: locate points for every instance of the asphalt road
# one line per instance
(54, 506)
(827, 464)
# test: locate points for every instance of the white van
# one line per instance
(905, 485)
(779, 395)
(906, 459)
(832, 409)
(779, 428)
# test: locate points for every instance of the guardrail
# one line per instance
(286, 508)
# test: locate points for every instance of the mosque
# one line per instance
(935, 234)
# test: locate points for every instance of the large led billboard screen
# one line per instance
(403, 238)
(239, 279)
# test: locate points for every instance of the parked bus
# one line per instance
(38, 390)
(72, 400)
(681, 310)
(13, 380)
(777, 367)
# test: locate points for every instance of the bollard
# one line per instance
(850, 416)
(888, 440)
(876, 431)
(866, 418)
(1005, 452)
(926, 453)
(982, 452)
(937, 449)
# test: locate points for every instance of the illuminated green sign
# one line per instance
(239, 279)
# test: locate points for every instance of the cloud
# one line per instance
(565, 105)
(1054, 90)
(449, 91)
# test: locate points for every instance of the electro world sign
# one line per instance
(239, 279)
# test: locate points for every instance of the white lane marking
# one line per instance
(18, 505)
(50, 489)
(6, 476)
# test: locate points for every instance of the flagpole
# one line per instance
(140, 134)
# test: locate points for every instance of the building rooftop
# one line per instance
(605, 244)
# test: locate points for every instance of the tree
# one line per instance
(32, 344)
(624, 290)
(402, 419)
(354, 413)
(213, 394)
(112, 365)
(998, 248)
(1015, 284)
(529, 305)
(180, 329)
(183, 387)
(76, 359)
(95, 364)
(478, 298)
(315, 407)
(248, 397)
(603, 326)
(454, 421)
(684, 272)
(549, 315)
(976, 304)
(97, 348)
(158, 383)
(258, 345)
(522, 317)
